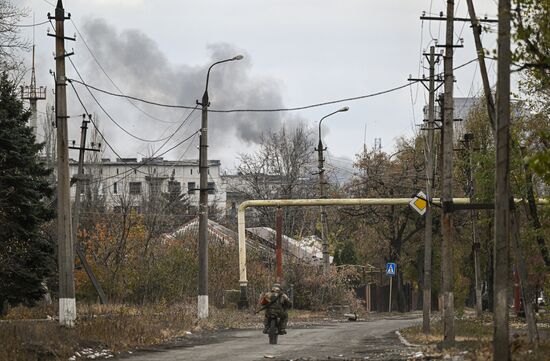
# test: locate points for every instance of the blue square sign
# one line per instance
(391, 269)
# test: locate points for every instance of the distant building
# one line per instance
(129, 180)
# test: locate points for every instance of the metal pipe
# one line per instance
(241, 221)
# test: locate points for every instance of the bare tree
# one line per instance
(283, 168)
(10, 39)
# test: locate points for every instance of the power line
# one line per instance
(244, 110)
(152, 158)
(109, 115)
(111, 79)
(88, 87)
(25, 25)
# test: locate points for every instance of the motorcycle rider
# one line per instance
(275, 302)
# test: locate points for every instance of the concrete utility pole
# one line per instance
(427, 291)
(447, 182)
(501, 340)
(279, 244)
(202, 306)
(67, 303)
(33, 94)
(476, 29)
(476, 246)
(322, 191)
(76, 210)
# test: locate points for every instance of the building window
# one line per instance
(117, 171)
(191, 187)
(174, 188)
(191, 171)
(155, 187)
(115, 188)
(211, 187)
(135, 188)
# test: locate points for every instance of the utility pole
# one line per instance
(279, 244)
(532, 331)
(322, 190)
(76, 210)
(427, 291)
(447, 182)
(476, 246)
(476, 29)
(33, 94)
(501, 340)
(67, 303)
(202, 308)
(202, 302)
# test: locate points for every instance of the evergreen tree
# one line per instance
(345, 253)
(26, 256)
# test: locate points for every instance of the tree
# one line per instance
(345, 253)
(27, 256)
(283, 168)
(393, 227)
(10, 41)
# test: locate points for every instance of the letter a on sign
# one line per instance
(419, 203)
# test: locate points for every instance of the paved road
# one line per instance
(369, 340)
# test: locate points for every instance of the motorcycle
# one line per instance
(273, 329)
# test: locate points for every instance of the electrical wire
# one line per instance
(152, 158)
(25, 25)
(109, 115)
(88, 86)
(112, 81)
(246, 110)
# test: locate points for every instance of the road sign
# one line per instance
(391, 268)
(419, 203)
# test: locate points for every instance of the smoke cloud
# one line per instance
(137, 65)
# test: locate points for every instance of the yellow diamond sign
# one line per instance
(419, 203)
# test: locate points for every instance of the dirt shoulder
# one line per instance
(474, 340)
(107, 331)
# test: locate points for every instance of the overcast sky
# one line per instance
(296, 53)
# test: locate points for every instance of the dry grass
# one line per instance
(474, 340)
(26, 334)
(116, 328)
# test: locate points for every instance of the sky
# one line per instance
(296, 53)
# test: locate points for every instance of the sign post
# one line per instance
(391, 269)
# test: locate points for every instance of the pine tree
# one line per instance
(26, 256)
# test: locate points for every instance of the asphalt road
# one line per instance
(367, 340)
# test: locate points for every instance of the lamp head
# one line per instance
(238, 57)
(344, 109)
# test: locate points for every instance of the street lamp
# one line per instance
(202, 306)
(324, 226)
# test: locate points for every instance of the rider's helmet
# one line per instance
(276, 287)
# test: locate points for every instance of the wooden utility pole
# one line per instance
(532, 331)
(447, 182)
(501, 341)
(476, 246)
(476, 29)
(67, 303)
(427, 290)
(76, 209)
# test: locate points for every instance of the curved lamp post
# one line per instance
(202, 306)
(321, 159)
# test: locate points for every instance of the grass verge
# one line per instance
(474, 340)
